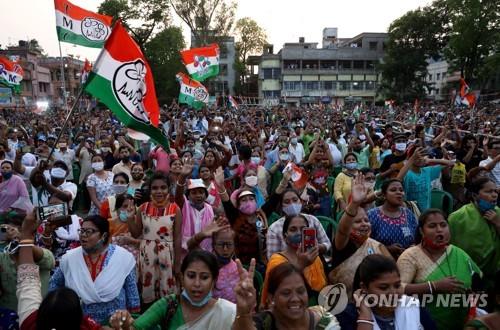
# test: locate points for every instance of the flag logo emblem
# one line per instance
(200, 94)
(129, 87)
(94, 30)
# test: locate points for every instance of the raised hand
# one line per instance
(418, 154)
(29, 225)
(219, 177)
(358, 189)
(215, 226)
(306, 258)
(245, 292)
(187, 167)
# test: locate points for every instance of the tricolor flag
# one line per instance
(467, 97)
(87, 67)
(11, 74)
(81, 27)
(232, 102)
(192, 92)
(202, 63)
(122, 80)
(299, 176)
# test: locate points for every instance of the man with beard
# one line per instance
(125, 164)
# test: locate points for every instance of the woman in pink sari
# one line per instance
(12, 187)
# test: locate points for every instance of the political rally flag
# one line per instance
(87, 67)
(467, 97)
(202, 63)
(11, 74)
(81, 27)
(232, 102)
(192, 92)
(121, 79)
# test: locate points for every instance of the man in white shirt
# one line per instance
(493, 161)
(66, 155)
(47, 183)
(297, 150)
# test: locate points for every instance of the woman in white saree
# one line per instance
(194, 309)
(101, 274)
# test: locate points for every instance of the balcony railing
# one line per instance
(329, 71)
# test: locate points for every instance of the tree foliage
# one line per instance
(251, 38)
(163, 55)
(413, 38)
(207, 19)
(474, 35)
(142, 18)
(465, 32)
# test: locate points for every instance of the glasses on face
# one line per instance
(369, 179)
(223, 245)
(87, 231)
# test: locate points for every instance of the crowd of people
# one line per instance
(249, 216)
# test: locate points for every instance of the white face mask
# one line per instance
(255, 160)
(369, 185)
(251, 180)
(284, 156)
(119, 188)
(400, 146)
(106, 149)
(58, 173)
(293, 140)
(98, 166)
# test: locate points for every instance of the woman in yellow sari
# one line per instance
(308, 261)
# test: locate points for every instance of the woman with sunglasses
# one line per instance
(102, 274)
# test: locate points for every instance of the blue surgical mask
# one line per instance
(123, 216)
(6, 175)
(100, 244)
(351, 166)
(223, 260)
(255, 160)
(201, 303)
(292, 209)
(294, 240)
(485, 205)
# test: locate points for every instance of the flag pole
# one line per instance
(77, 101)
(63, 77)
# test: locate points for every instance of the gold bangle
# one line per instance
(27, 241)
(222, 192)
(181, 185)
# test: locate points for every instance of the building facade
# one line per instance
(437, 77)
(224, 83)
(36, 85)
(342, 70)
(72, 74)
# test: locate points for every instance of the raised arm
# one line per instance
(187, 169)
(358, 193)
(419, 153)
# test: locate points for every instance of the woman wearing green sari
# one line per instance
(437, 268)
(475, 228)
(195, 309)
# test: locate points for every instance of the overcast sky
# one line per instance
(283, 20)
